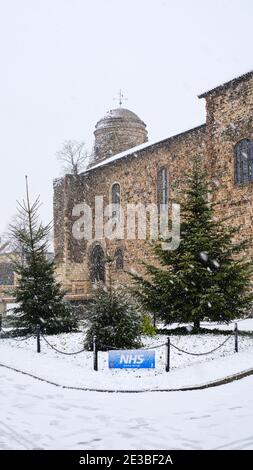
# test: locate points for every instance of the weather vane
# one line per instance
(120, 98)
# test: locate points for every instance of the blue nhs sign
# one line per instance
(132, 359)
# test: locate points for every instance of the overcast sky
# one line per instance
(63, 62)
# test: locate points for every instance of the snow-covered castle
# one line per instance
(126, 168)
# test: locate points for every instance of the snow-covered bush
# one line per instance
(114, 320)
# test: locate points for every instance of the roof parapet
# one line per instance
(225, 85)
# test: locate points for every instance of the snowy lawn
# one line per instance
(35, 415)
(77, 370)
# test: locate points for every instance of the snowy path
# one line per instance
(35, 415)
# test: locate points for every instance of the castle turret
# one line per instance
(119, 130)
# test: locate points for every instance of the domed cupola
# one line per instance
(119, 130)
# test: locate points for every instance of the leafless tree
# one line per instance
(73, 156)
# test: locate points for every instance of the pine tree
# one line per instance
(38, 296)
(205, 278)
(113, 318)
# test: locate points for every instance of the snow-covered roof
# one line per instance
(225, 85)
(138, 148)
(119, 115)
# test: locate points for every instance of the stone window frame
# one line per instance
(119, 258)
(243, 167)
(162, 191)
(116, 215)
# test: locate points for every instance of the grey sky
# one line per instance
(63, 62)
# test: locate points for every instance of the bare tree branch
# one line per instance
(73, 156)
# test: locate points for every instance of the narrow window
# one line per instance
(162, 187)
(244, 161)
(116, 202)
(97, 264)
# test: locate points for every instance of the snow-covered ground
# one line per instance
(35, 415)
(77, 370)
(39, 415)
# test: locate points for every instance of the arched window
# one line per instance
(116, 202)
(119, 258)
(244, 161)
(97, 264)
(162, 186)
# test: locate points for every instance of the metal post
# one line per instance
(168, 355)
(95, 354)
(38, 339)
(236, 337)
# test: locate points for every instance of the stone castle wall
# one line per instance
(229, 119)
(137, 176)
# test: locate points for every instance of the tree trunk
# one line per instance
(196, 324)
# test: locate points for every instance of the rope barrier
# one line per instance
(144, 348)
(114, 348)
(201, 354)
(63, 352)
